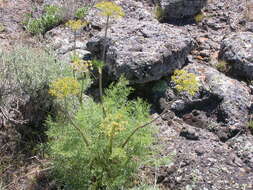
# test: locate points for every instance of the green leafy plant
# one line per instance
(199, 17)
(159, 12)
(223, 66)
(81, 12)
(185, 82)
(93, 151)
(50, 18)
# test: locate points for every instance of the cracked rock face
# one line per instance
(142, 50)
(234, 96)
(177, 9)
(237, 50)
(225, 101)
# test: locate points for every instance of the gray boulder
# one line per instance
(178, 9)
(225, 101)
(237, 49)
(142, 50)
(234, 96)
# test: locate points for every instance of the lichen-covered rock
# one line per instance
(234, 95)
(224, 100)
(237, 49)
(178, 9)
(142, 50)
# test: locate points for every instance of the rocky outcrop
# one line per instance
(142, 50)
(237, 50)
(179, 9)
(62, 40)
(224, 100)
(196, 159)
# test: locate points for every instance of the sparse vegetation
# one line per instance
(50, 18)
(63, 127)
(25, 75)
(81, 12)
(199, 17)
(249, 10)
(223, 66)
(159, 13)
(250, 125)
(2, 28)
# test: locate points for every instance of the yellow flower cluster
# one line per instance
(63, 87)
(185, 81)
(76, 24)
(113, 124)
(80, 65)
(110, 9)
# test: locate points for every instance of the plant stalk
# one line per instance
(85, 140)
(140, 127)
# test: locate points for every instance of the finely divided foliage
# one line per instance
(97, 145)
(103, 162)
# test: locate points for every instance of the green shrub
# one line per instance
(50, 18)
(27, 69)
(96, 150)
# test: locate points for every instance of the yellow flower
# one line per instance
(111, 9)
(113, 124)
(63, 87)
(76, 24)
(80, 65)
(185, 81)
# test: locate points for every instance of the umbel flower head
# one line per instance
(113, 124)
(79, 64)
(76, 24)
(63, 87)
(185, 82)
(110, 9)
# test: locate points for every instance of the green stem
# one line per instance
(82, 88)
(100, 69)
(85, 140)
(80, 132)
(105, 36)
(100, 84)
(101, 90)
(75, 54)
(111, 140)
(140, 127)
